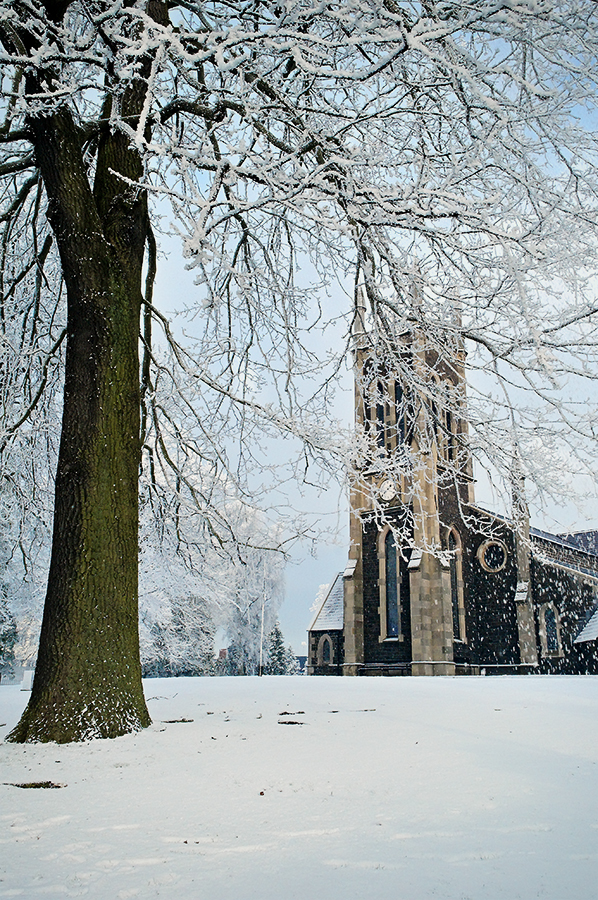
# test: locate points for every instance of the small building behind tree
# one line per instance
(325, 636)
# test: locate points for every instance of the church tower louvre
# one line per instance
(404, 610)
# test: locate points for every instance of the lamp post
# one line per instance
(261, 666)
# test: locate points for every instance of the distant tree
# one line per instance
(8, 638)
(256, 599)
(191, 587)
(281, 659)
(25, 532)
(183, 644)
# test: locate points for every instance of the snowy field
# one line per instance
(406, 788)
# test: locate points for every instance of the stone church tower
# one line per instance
(417, 466)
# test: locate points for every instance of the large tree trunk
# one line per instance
(88, 676)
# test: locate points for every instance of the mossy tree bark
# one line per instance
(88, 676)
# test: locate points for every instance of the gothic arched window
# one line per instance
(392, 586)
(389, 583)
(552, 637)
(324, 651)
(457, 596)
(550, 630)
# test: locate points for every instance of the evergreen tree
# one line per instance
(281, 659)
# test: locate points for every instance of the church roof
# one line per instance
(584, 540)
(590, 630)
(330, 615)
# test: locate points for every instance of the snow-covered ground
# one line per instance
(405, 788)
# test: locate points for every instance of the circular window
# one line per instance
(492, 556)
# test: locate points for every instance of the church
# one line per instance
(435, 584)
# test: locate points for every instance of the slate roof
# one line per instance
(590, 630)
(584, 540)
(330, 616)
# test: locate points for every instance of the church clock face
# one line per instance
(492, 555)
(387, 491)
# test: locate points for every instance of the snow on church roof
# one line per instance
(330, 615)
(583, 540)
(590, 630)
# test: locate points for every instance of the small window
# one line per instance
(325, 651)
